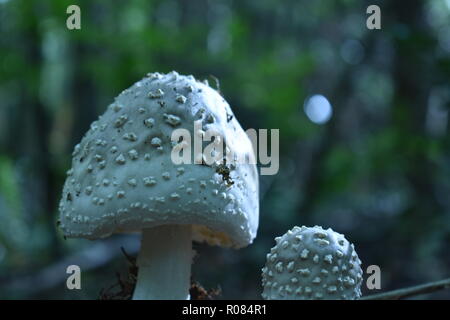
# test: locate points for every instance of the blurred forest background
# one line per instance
(377, 170)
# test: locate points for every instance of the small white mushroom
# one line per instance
(312, 269)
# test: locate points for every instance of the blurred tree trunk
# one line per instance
(413, 72)
(35, 144)
(84, 95)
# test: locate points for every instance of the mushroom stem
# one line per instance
(164, 263)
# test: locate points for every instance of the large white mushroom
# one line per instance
(123, 180)
(312, 263)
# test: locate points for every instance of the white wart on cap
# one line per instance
(123, 179)
(312, 263)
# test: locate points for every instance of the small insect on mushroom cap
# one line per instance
(310, 264)
(123, 178)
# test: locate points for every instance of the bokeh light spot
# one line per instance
(318, 109)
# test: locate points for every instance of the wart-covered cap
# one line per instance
(123, 179)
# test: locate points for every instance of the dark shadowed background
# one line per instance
(376, 169)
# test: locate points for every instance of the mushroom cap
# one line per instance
(312, 263)
(123, 179)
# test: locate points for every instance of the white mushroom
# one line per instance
(312, 263)
(171, 205)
